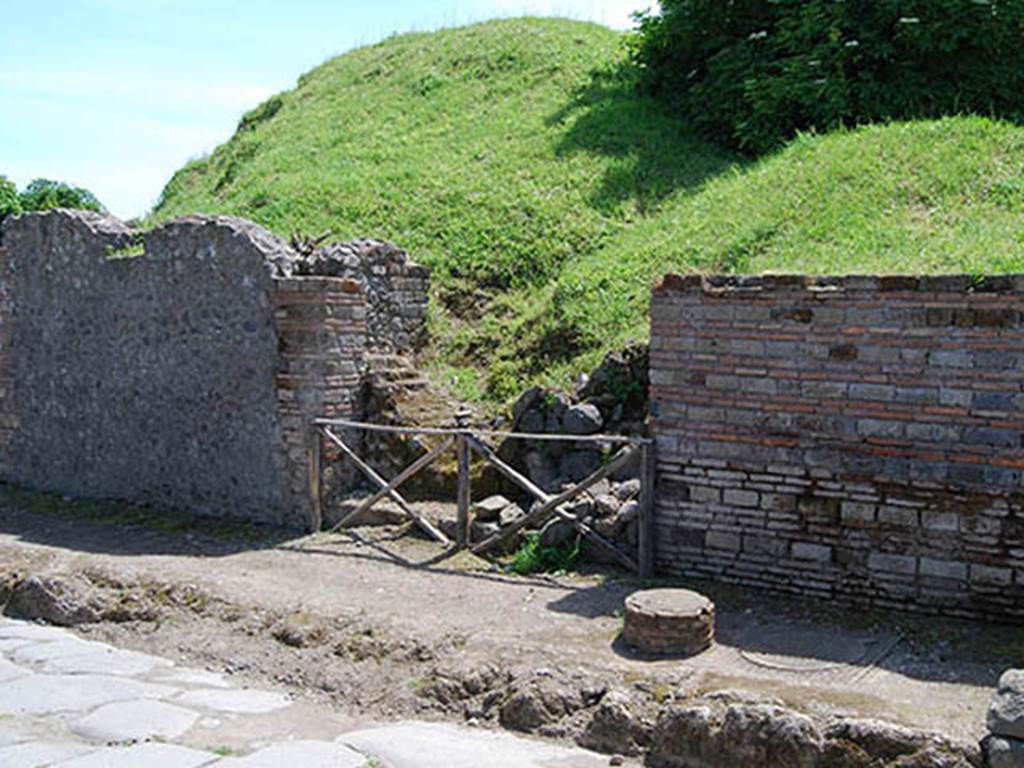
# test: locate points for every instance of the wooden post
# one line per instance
(645, 519)
(316, 517)
(463, 533)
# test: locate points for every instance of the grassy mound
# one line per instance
(942, 196)
(514, 159)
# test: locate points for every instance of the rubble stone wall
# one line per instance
(856, 438)
(397, 290)
(176, 367)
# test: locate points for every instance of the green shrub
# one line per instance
(533, 557)
(10, 205)
(45, 194)
(752, 73)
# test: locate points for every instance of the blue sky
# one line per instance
(115, 95)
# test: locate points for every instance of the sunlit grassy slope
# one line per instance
(514, 158)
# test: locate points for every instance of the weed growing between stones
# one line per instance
(535, 557)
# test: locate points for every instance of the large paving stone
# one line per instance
(110, 662)
(439, 745)
(57, 649)
(1006, 713)
(9, 671)
(238, 701)
(39, 694)
(143, 756)
(185, 676)
(21, 630)
(135, 721)
(35, 754)
(299, 754)
(13, 643)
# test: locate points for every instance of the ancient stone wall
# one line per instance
(854, 438)
(397, 290)
(177, 367)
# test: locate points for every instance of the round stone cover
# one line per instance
(670, 602)
(669, 621)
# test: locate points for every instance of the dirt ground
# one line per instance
(377, 621)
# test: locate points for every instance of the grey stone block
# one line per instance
(817, 552)
(986, 574)
(854, 512)
(902, 564)
(940, 521)
(944, 569)
(740, 498)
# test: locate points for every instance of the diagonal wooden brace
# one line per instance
(404, 475)
(367, 470)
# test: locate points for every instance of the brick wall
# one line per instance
(855, 438)
(321, 328)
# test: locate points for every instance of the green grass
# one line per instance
(533, 557)
(515, 159)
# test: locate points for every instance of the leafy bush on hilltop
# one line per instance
(46, 194)
(752, 73)
(9, 203)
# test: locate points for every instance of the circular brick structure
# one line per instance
(674, 622)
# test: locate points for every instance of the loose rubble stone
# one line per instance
(536, 704)
(606, 505)
(614, 728)
(669, 621)
(579, 464)
(763, 734)
(582, 419)
(1006, 712)
(530, 398)
(65, 602)
(490, 509)
(876, 738)
(629, 489)
(511, 514)
(1004, 753)
(685, 736)
(556, 532)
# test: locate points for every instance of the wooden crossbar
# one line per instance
(408, 472)
(550, 504)
(367, 470)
